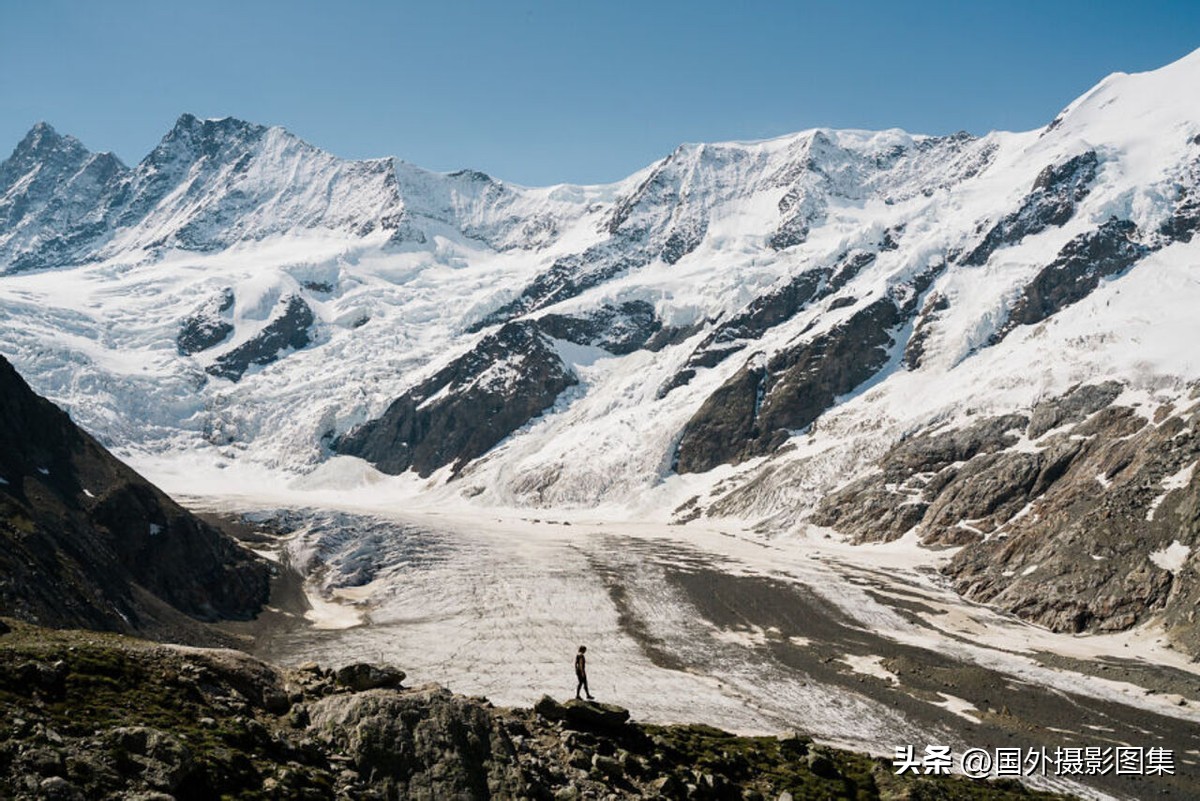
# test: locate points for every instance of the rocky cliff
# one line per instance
(86, 541)
(1080, 515)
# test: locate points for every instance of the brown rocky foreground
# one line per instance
(88, 715)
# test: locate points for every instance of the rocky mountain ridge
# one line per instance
(88, 542)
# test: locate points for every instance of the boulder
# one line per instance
(583, 715)
(362, 676)
(425, 743)
(607, 767)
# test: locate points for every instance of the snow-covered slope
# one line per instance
(738, 329)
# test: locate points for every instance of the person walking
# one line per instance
(581, 674)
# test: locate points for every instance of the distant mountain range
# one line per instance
(985, 342)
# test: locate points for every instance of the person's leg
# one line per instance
(586, 691)
(582, 683)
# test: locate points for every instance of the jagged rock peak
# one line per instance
(198, 138)
(41, 144)
(41, 138)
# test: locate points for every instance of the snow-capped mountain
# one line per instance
(208, 185)
(857, 329)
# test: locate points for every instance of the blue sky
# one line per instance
(543, 92)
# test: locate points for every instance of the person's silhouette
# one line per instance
(581, 673)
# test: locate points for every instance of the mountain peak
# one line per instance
(41, 131)
(43, 150)
(209, 137)
(190, 122)
(43, 140)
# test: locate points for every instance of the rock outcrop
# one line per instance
(1076, 272)
(769, 310)
(89, 715)
(1081, 516)
(288, 330)
(208, 327)
(86, 541)
(759, 407)
(1052, 201)
(617, 329)
(467, 407)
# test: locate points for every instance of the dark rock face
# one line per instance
(757, 409)
(885, 505)
(360, 677)
(1051, 202)
(467, 407)
(617, 329)
(566, 278)
(1185, 220)
(725, 427)
(88, 542)
(793, 231)
(206, 328)
(1072, 407)
(1063, 532)
(1083, 560)
(767, 311)
(583, 715)
(914, 351)
(683, 240)
(1076, 272)
(289, 330)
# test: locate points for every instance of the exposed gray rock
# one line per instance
(608, 768)
(768, 310)
(289, 330)
(1082, 560)
(1184, 221)
(568, 277)
(914, 351)
(467, 407)
(1051, 202)
(884, 505)
(1061, 533)
(362, 676)
(583, 715)
(617, 329)
(1072, 407)
(161, 759)
(85, 541)
(1075, 273)
(757, 409)
(206, 328)
(423, 744)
